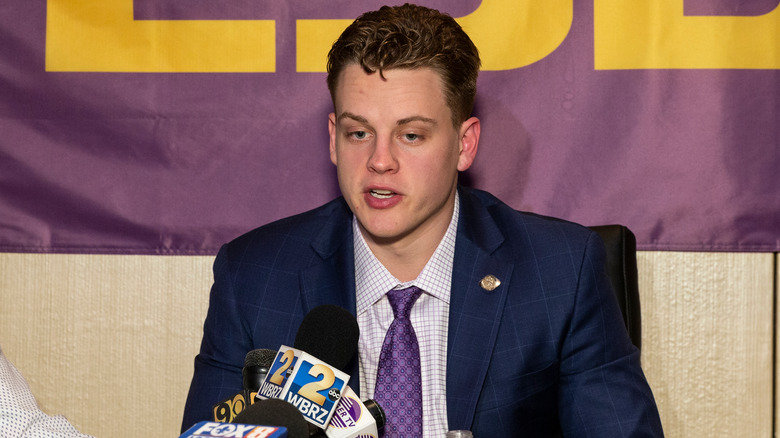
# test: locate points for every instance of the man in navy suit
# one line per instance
(518, 331)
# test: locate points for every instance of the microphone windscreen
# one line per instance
(262, 357)
(275, 412)
(256, 364)
(329, 333)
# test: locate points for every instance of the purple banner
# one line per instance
(135, 162)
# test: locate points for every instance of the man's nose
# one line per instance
(383, 157)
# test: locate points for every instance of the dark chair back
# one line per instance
(622, 271)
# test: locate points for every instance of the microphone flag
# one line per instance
(226, 410)
(353, 418)
(315, 388)
(210, 429)
(279, 372)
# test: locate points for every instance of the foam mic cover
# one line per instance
(329, 333)
(256, 365)
(275, 412)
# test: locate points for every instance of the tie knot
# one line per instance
(402, 301)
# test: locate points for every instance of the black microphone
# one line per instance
(256, 364)
(310, 376)
(275, 412)
(329, 333)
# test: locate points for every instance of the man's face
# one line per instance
(397, 153)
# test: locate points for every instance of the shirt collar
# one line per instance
(373, 280)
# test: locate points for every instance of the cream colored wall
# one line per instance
(108, 341)
(707, 341)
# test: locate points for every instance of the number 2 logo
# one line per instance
(311, 390)
(278, 376)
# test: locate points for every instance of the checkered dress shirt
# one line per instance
(430, 317)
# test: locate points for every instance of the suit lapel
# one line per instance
(475, 310)
(331, 281)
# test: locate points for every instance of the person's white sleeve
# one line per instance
(20, 415)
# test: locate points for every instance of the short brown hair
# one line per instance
(410, 37)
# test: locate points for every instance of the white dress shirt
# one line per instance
(429, 316)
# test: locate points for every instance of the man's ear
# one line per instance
(332, 131)
(469, 143)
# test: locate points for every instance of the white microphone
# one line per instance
(354, 419)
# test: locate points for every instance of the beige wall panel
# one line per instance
(707, 341)
(777, 336)
(107, 341)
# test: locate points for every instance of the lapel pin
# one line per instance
(489, 282)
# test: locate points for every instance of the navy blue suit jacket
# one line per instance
(546, 352)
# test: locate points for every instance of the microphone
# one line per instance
(275, 412)
(330, 333)
(315, 388)
(309, 376)
(328, 337)
(204, 429)
(355, 419)
(256, 364)
(281, 368)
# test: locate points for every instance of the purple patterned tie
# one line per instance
(398, 382)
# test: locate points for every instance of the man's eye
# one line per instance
(359, 135)
(411, 137)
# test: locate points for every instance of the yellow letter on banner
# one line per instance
(508, 33)
(101, 36)
(641, 34)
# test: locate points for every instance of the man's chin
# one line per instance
(381, 234)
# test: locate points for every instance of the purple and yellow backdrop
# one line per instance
(172, 126)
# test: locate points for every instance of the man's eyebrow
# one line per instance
(401, 122)
(417, 119)
(349, 115)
